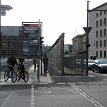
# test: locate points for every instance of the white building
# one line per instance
(98, 33)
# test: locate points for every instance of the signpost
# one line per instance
(2, 13)
(31, 41)
(3, 9)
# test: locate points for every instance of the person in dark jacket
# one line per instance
(45, 62)
(35, 62)
(11, 61)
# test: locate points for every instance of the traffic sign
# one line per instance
(87, 29)
(2, 13)
(5, 7)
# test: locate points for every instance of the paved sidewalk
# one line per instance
(42, 79)
(32, 79)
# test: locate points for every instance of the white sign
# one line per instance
(5, 7)
(2, 13)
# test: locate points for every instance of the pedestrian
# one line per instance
(34, 62)
(45, 62)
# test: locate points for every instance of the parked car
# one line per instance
(100, 66)
(91, 62)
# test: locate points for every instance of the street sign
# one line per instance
(2, 13)
(87, 29)
(5, 7)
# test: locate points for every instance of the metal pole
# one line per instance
(38, 71)
(87, 41)
(41, 60)
(0, 44)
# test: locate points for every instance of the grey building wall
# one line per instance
(96, 35)
(10, 30)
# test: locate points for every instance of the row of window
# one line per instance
(101, 43)
(102, 54)
(101, 22)
(100, 13)
(101, 33)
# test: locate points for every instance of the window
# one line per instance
(101, 13)
(104, 43)
(96, 24)
(100, 22)
(105, 12)
(100, 43)
(96, 44)
(100, 54)
(96, 14)
(97, 54)
(104, 21)
(100, 33)
(96, 34)
(104, 54)
(104, 32)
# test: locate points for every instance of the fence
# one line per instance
(75, 65)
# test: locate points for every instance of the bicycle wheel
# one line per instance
(18, 76)
(26, 76)
(13, 76)
(6, 77)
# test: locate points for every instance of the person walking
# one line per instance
(45, 62)
(34, 62)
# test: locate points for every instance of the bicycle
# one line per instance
(23, 74)
(10, 74)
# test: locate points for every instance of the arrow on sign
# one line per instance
(5, 7)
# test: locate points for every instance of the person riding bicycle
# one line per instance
(22, 71)
(11, 61)
(21, 67)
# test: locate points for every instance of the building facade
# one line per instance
(98, 33)
(79, 44)
(11, 41)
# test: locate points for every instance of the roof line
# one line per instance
(98, 6)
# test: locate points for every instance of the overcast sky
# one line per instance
(58, 16)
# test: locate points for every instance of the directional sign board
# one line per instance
(2, 13)
(5, 7)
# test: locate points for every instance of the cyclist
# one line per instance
(21, 67)
(22, 72)
(11, 61)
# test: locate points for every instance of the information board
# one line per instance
(30, 41)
